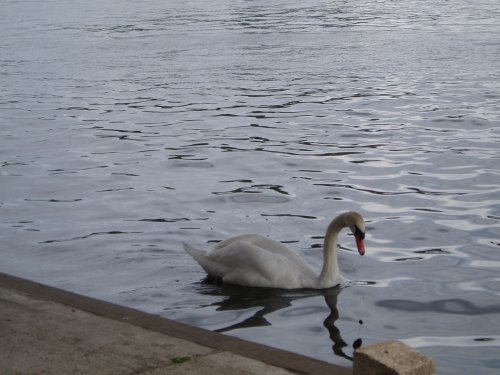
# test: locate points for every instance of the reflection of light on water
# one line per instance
(485, 264)
(462, 224)
(491, 286)
(382, 283)
(424, 341)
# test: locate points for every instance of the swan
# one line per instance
(257, 261)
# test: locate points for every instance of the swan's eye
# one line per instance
(358, 233)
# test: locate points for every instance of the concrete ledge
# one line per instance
(225, 346)
(49, 330)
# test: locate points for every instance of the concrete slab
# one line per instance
(46, 330)
(44, 337)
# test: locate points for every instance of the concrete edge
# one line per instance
(272, 356)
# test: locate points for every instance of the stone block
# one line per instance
(391, 358)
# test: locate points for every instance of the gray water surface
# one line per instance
(127, 127)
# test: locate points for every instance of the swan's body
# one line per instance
(254, 260)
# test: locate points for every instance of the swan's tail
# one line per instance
(197, 254)
(210, 266)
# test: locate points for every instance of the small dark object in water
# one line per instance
(360, 322)
(357, 343)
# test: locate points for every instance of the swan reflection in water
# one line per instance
(269, 300)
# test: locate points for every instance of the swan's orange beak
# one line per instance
(360, 244)
(360, 236)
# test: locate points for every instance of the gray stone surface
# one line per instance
(391, 358)
(44, 337)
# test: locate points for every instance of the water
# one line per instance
(128, 127)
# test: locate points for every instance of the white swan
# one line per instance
(254, 260)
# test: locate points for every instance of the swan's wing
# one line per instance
(252, 265)
(255, 239)
(264, 243)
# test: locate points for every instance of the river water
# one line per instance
(127, 127)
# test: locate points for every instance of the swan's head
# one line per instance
(356, 224)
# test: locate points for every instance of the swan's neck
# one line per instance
(330, 274)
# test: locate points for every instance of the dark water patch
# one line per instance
(164, 220)
(432, 251)
(114, 190)
(76, 170)
(263, 198)
(484, 339)
(428, 209)
(114, 232)
(254, 189)
(291, 215)
(125, 174)
(406, 259)
(54, 200)
(191, 157)
(241, 180)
